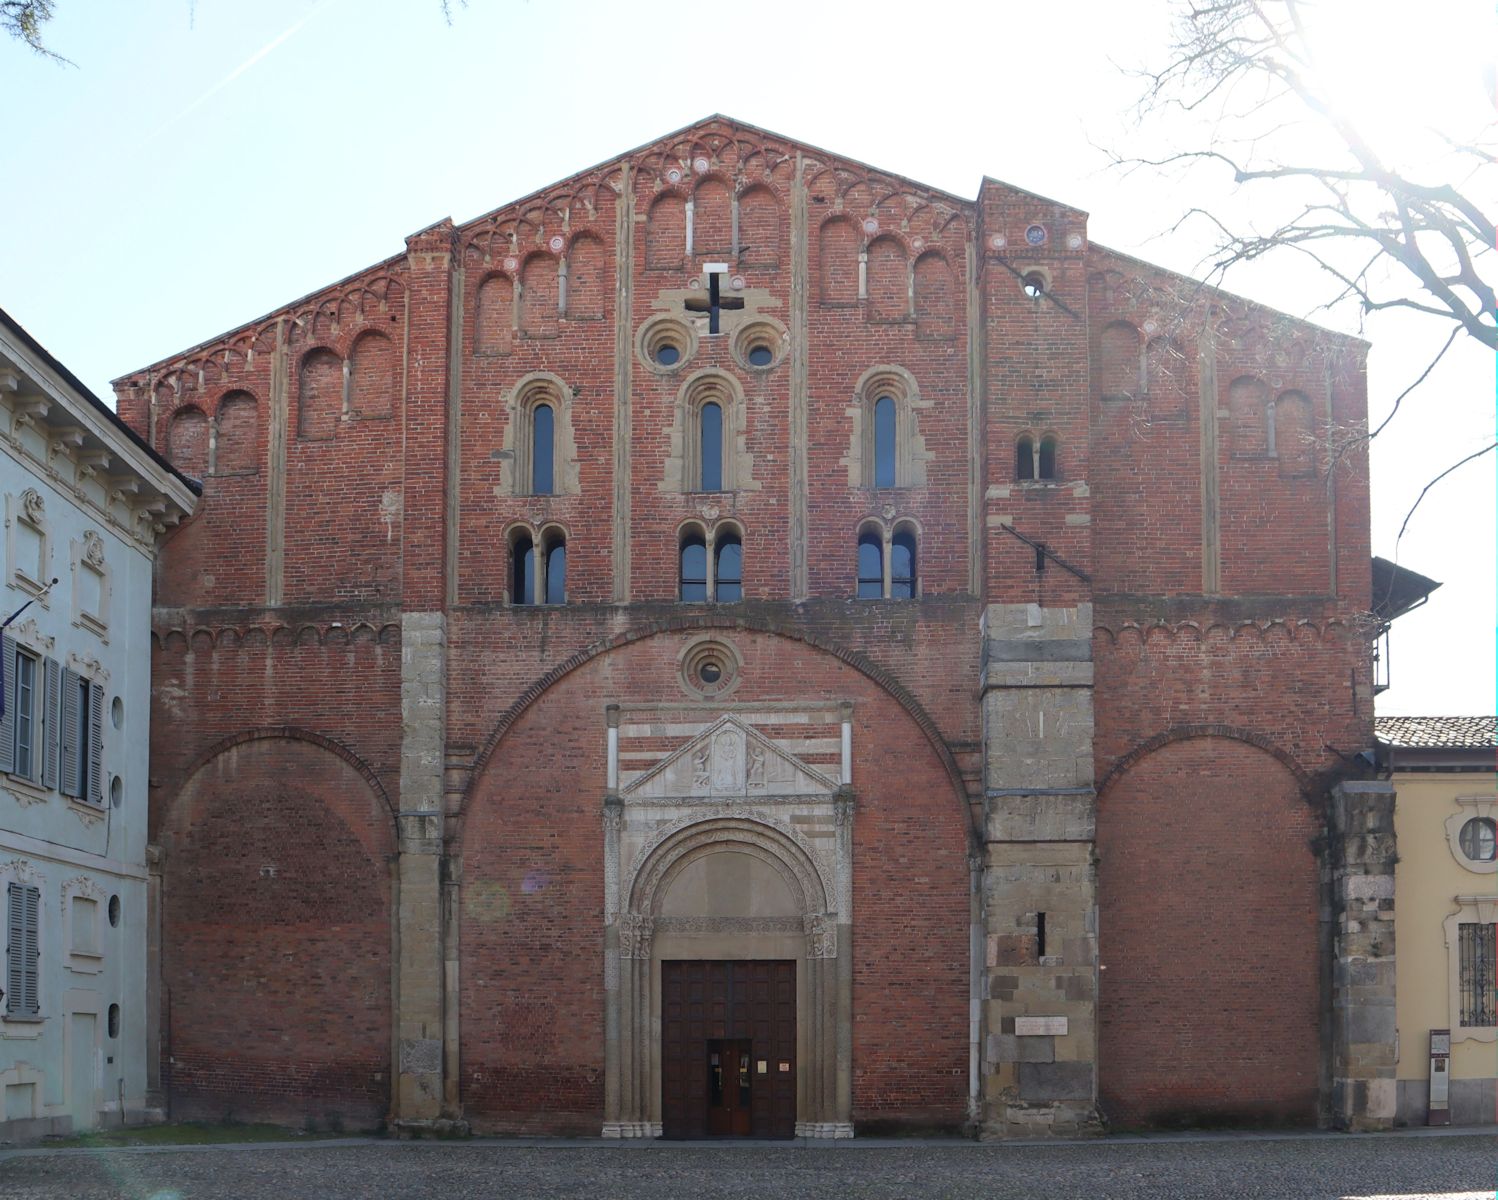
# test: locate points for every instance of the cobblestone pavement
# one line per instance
(1449, 1167)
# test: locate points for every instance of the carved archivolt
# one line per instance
(776, 841)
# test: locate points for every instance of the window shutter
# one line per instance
(72, 735)
(95, 743)
(51, 726)
(31, 903)
(8, 718)
(15, 946)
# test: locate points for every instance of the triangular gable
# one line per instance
(729, 760)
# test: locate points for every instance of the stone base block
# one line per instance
(824, 1129)
(1009, 1121)
(632, 1129)
(437, 1127)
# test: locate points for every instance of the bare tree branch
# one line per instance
(1476, 454)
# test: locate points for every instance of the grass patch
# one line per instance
(187, 1133)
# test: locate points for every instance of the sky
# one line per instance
(206, 161)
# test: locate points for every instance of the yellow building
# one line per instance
(1446, 908)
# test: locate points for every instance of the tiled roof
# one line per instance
(1446, 733)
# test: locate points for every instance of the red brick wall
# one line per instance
(276, 961)
(1208, 933)
(531, 933)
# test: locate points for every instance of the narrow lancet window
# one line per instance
(884, 442)
(543, 442)
(710, 435)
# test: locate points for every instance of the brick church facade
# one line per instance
(742, 642)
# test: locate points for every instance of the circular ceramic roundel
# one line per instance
(917, 243)
(870, 226)
(1035, 235)
(1150, 329)
(737, 283)
(673, 175)
(511, 263)
(556, 244)
(1074, 242)
(700, 165)
(998, 241)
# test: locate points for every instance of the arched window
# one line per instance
(728, 568)
(693, 566)
(884, 442)
(710, 447)
(870, 565)
(556, 570)
(1046, 468)
(543, 450)
(522, 570)
(1024, 457)
(902, 564)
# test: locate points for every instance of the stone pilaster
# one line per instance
(1039, 1061)
(419, 999)
(1358, 878)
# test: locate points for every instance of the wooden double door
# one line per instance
(728, 1048)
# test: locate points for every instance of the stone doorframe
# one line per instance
(637, 939)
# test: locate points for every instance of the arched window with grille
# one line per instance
(728, 567)
(1045, 466)
(555, 584)
(522, 569)
(902, 578)
(1024, 457)
(870, 565)
(693, 559)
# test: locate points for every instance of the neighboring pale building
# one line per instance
(84, 501)
(1446, 908)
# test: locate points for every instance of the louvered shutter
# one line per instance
(31, 953)
(95, 743)
(8, 718)
(72, 735)
(51, 726)
(15, 949)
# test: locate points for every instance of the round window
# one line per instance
(761, 356)
(667, 355)
(1034, 285)
(1479, 839)
(709, 669)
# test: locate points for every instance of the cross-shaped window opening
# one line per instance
(714, 302)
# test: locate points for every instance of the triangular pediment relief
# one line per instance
(729, 760)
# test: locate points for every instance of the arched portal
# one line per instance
(726, 893)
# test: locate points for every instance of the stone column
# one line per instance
(419, 999)
(418, 1100)
(1039, 1068)
(1358, 884)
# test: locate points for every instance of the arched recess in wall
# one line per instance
(1166, 371)
(494, 316)
(587, 283)
(532, 899)
(372, 376)
(187, 441)
(237, 435)
(1294, 434)
(1248, 400)
(319, 395)
(712, 219)
(1118, 363)
(666, 232)
(761, 222)
(539, 296)
(276, 853)
(937, 311)
(1209, 895)
(837, 261)
(889, 280)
